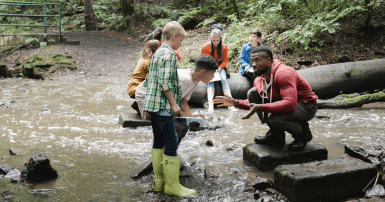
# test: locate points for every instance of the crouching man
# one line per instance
(281, 97)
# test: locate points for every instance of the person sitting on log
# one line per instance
(244, 57)
(163, 100)
(141, 70)
(205, 67)
(219, 52)
(282, 98)
(158, 36)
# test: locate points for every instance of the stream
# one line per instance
(75, 124)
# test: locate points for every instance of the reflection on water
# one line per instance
(76, 125)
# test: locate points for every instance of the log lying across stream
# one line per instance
(326, 81)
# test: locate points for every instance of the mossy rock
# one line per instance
(2, 65)
(65, 62)
(17, 59)
(74, 66)
(362, 98)
(39, 57)
(27, 66)
(59, 56)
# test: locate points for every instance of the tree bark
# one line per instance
(236, 8)
(368, 14)
(89, 16)
(127, 7)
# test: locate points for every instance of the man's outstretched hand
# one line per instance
(253, 108)
(224, 101)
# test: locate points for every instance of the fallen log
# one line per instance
(239, 85)
(326, 81)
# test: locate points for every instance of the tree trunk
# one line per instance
(236, 8)
(127, 7)
(368, 14)
(89, 16)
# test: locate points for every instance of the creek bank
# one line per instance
(38, 169)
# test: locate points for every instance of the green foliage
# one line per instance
(43, 44)
(236, 34)
(161, 22)
(31, 40)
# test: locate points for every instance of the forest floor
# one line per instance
(107, 53)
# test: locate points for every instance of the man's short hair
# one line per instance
(158, 33)
(256, 32)
(264, 49)
(171, 28)
(206, 62)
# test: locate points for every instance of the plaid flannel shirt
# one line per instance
(162, 76)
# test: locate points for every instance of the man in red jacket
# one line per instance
(282, 99)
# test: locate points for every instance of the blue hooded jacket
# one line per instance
(244, 57)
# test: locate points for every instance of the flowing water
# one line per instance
(75, 124)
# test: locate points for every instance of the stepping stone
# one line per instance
(266, 157)
(132, 120)
(329, 180)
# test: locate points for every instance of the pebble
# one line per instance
(12, 152)
(83, 72)
(210, 143)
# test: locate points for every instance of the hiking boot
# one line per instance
(276, 138)
(301, 139)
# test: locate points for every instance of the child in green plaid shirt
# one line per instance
(162, 102)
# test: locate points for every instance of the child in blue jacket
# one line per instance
(244, 58)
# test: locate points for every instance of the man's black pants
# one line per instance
(284, 122)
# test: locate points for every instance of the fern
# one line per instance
(210, 20)
(160, 22)
(31, 40)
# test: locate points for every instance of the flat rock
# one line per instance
(6, 195)
(4, 169)
(141, 170)
(40, 192)
(266, 157)
(328, 180)
(14, 175)
(132, 120)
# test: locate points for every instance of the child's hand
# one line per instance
(176, 109)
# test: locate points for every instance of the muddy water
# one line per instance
(75, 123)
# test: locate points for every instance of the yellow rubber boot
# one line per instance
(171, 168)
(157, 158)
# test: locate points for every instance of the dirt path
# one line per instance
(101, 55)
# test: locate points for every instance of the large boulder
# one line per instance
(38, 169)
(329, 180)
(266, 157)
